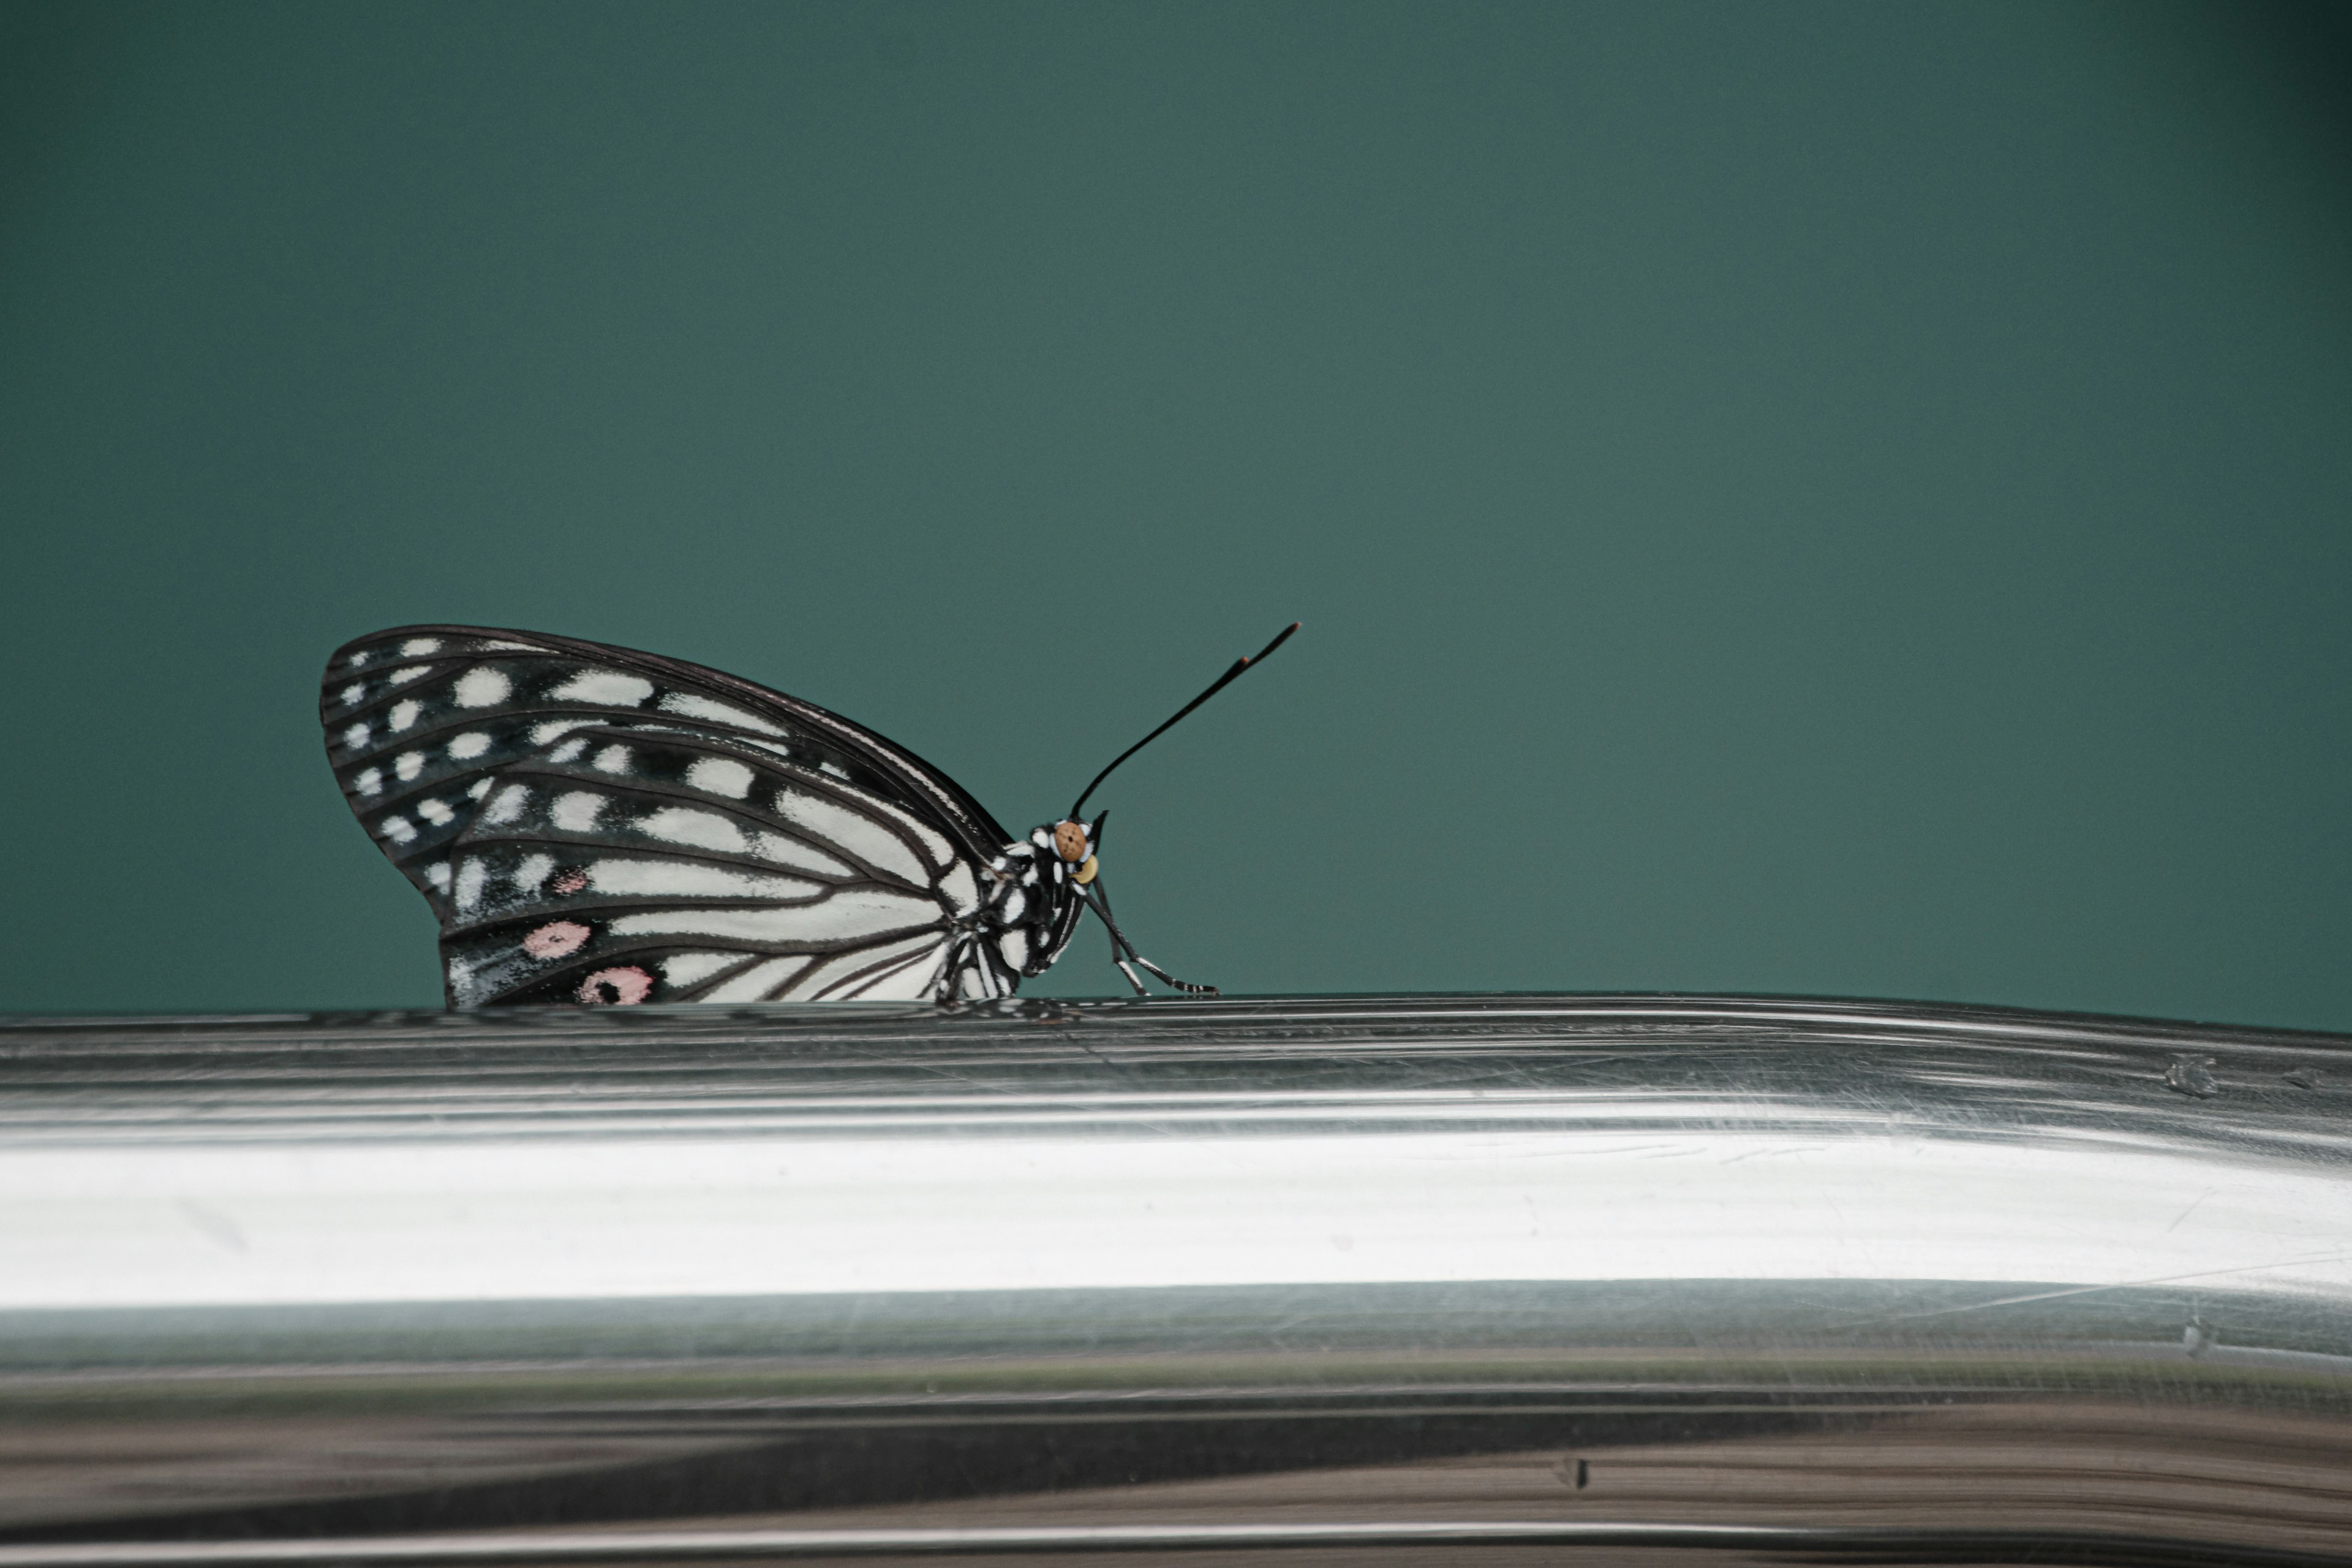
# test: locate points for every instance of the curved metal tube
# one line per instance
(1745, 1280)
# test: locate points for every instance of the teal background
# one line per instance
(1803, 498)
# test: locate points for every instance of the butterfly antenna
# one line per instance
(1214, 687)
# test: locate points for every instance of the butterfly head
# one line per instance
(1063, 852)
(1074, 842)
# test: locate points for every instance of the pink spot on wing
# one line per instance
(555, 940)
(617, 987)
(571, 880)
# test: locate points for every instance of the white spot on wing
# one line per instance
(370, 781)
(409, 764)
(685, 825)
(417, 647)
(830, 980)
(604, 688)
(436, 812)
(960, 890)
(353, 692)
(940, 854)
(686, 968)
(508, 805)
(858, 834)
(788, 851)
(403, 677)
(911, 982)
(568, 750)
(861, 911)
(685, 879)
(531, 872)
(613, 759)
(541, 734)
(470, 878)
(469, 745)
(692, 706)
(477, 789)
(437, 874)
(757, 981)
(402, 715)
(577, 810)
(720, 775)
(483, 688)
(465, 988)
(355, 737)
(399, 829)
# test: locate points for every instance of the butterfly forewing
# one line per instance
(597, 824)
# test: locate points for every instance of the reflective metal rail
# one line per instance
(1596, 1280)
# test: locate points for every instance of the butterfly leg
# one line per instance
(1132, 979)
(1188, 987)
(961, 954)
(943, 988)
(1101, 906)
(1119, 949)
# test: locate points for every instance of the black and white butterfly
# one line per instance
(595, 825)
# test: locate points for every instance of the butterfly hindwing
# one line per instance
(595, 825)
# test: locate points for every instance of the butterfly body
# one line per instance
(598, 826)
(1033, 907)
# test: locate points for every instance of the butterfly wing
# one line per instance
(592, 824)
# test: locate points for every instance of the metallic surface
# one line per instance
(1643, 1279)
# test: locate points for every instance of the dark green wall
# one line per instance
(1799, 498)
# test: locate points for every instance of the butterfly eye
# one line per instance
(1070, 841)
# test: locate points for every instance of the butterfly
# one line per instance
(598, 826)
